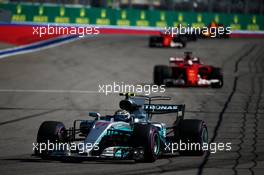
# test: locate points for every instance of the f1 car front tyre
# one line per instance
(161, 72)
(147, 136)
(52, 132)
(217, 74)
(193, 134)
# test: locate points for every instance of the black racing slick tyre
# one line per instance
(193, 134)
(217, 74)
(152, 42)
(155, 41)
(180, 40)
(161, 72)
(147, 136)
(183, 44)
(50, 132)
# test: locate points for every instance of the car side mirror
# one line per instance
(94, 114)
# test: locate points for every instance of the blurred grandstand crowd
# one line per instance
(227, 6)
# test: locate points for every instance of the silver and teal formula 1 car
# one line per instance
(128, 134)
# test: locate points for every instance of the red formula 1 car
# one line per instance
(167, 41)
(188, 71)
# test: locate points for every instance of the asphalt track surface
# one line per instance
(55, 84)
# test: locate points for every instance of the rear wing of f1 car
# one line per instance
(140, 100)
(164, 108)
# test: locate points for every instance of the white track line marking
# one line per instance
(36, 49)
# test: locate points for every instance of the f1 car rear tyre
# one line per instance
(155, 41)
(161, 72)
(193, 134)
(52, 132)
(181, 41)
(217, 74)
(147, 136)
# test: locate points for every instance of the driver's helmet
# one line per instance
(122, 115)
